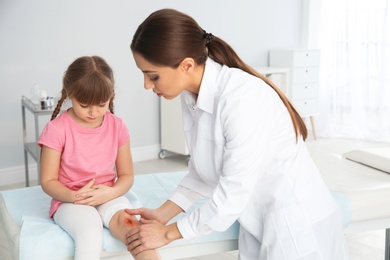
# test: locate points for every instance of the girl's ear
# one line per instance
(187, 65)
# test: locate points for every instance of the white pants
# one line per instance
(85, 225)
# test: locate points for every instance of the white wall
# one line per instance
(40, 38)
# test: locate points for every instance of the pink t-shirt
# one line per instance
(86, 153)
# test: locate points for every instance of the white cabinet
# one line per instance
(303, 78)
(172, 133)
(279, 76)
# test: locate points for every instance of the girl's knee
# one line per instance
(123, 219)
(121, 223)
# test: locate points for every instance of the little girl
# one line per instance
(86, 163)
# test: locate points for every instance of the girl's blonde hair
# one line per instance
(168, 36)
(89, 80)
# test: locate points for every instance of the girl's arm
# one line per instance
(101, 193)
(50, 164)
(124, 170)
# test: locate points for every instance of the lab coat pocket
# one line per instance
(289, 233)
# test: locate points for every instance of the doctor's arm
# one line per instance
(247, 125)
(162, 214)
(153, 232)
(180, 201)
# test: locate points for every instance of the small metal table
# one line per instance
(31, 147)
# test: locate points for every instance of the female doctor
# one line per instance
(247, 147)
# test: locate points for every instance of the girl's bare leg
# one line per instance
(120, 224)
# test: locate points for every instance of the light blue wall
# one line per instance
(39, 39)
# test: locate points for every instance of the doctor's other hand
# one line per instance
(150, 234)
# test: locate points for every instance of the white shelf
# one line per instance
(31, 148)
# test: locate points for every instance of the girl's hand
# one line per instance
(93, 195)
(149, 235)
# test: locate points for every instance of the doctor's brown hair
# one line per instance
(168, 36)
(89, 80)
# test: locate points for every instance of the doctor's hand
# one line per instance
(150, 234)
(145, 213)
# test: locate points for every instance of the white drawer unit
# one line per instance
(279, 76)
(172, 133)
(303, 78)
(303, 91)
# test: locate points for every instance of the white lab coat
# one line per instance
(245, 159)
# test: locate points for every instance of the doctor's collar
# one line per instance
(205, 99)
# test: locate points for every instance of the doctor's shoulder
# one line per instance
(240, 83)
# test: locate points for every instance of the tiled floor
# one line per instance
(362, 246)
